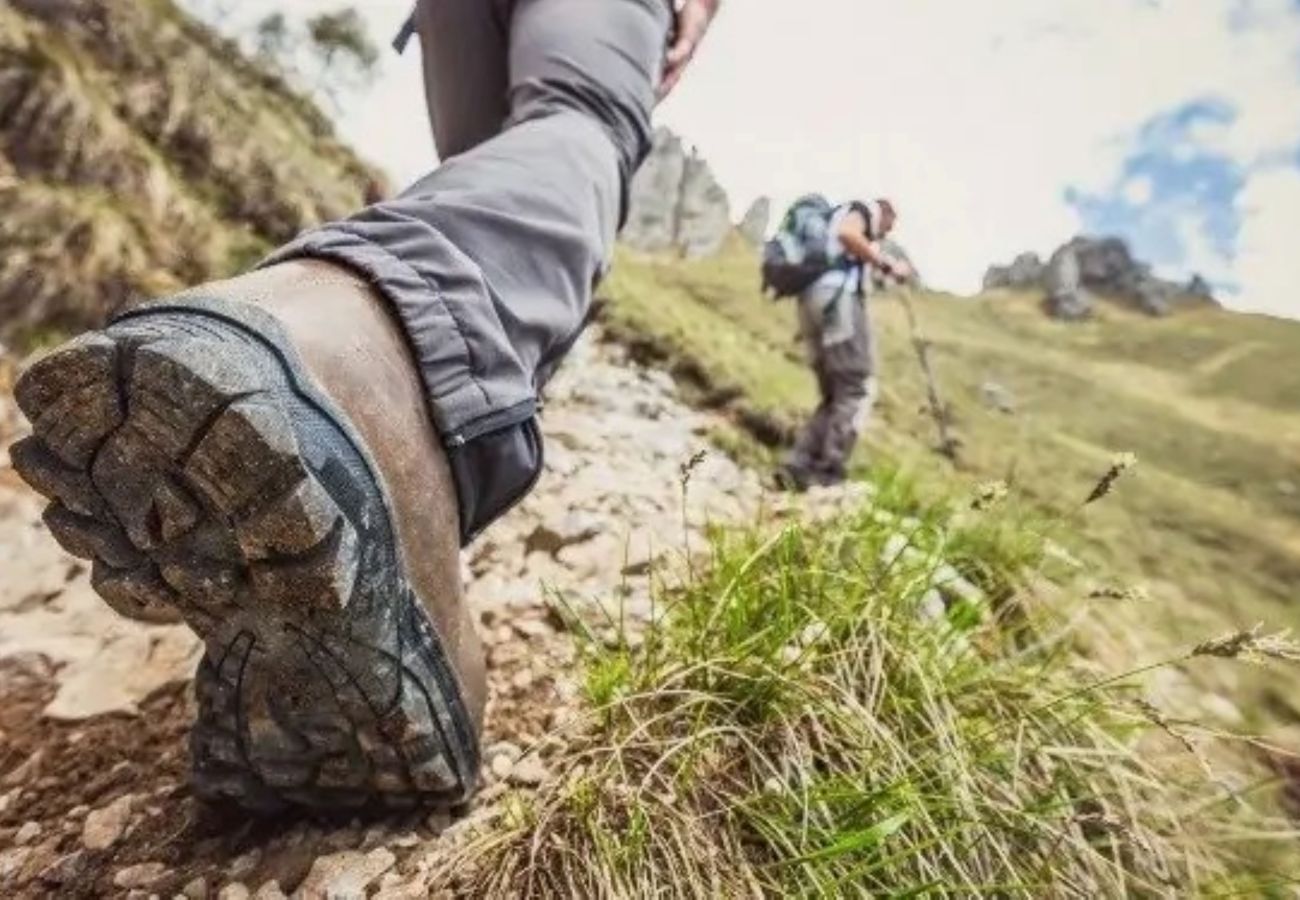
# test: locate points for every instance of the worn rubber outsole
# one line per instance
(186, 452)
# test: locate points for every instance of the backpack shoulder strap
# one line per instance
(869, 211)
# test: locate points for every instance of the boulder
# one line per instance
(1104, 266)
(1027, 271)
(1066, 297)
(676, 202)
(753, 225)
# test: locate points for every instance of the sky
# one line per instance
(996, 126)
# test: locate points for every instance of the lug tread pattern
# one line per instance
(169, 449)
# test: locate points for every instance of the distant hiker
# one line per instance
(292, 459)
(819, 255)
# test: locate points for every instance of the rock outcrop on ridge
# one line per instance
(1087, 268)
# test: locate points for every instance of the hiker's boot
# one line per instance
(791, 478)
(255, 458)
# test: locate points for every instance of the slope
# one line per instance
(1206, 399)
(139, 152)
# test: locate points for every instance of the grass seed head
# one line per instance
(1122, 463)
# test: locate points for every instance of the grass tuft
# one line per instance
(805, 721)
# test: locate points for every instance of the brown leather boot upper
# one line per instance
(354, 349)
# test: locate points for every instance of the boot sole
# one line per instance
(187, 453)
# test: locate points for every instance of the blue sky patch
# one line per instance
(1173, 197)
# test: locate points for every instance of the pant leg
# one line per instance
(465, 48)
(849, 366)
(806, 455)
(489, 261)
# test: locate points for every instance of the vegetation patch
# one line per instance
(1210, 524)
(805, 720)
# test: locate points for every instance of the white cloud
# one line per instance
(975, 116)
(1267, 262)
(1138, 191)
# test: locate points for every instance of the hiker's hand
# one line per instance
(693, 20)
(901, 271)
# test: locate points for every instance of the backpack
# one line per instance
(796, 256)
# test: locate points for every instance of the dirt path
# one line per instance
(94, 710)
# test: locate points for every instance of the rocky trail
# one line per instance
(94, 710)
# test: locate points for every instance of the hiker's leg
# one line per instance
(490, 260)
(805, 457)
(848, 364)
(465, 46)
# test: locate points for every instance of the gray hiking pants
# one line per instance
(541, 114)
(841, 349)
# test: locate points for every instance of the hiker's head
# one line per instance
(888, 217)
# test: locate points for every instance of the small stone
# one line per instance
(196, 889)
(65, 869)
(103, 827)
(536, 628)
(347, 875)
(405, 841)
(242, 866)
(529, 772)
(501, 766)
(270, 891)
(29, 832)
(234, 891)
(505, 748)
(9, 799)
(24, 771)
(79, 811)
(522, 680)
(438, 821)
(12, 861)
(143, 875)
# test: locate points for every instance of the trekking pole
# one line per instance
(948, 442)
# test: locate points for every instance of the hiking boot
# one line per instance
(255, 458)
(792, 479)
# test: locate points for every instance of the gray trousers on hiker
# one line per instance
(841, 348)
(541, 114)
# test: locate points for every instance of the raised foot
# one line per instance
(184, 455)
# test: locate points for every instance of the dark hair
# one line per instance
(887, 211)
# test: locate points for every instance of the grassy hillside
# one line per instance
(799, 726)
(1208, 400)
(140, 152)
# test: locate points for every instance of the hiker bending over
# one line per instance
(820, 255)
(292, 459)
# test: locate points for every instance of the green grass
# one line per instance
(1209, 400)
(796, 727)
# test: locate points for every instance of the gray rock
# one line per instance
(676, 202)
(1027, 271)
(1199, 289)
(347, 875)
(753, 225)
(703, 212)
(65, 869)
(1066, 297)
(1107, 268)
(529, 772)
(996, 396)
(103, 827)
(142, 875)
(270, 891)
(13, 861)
